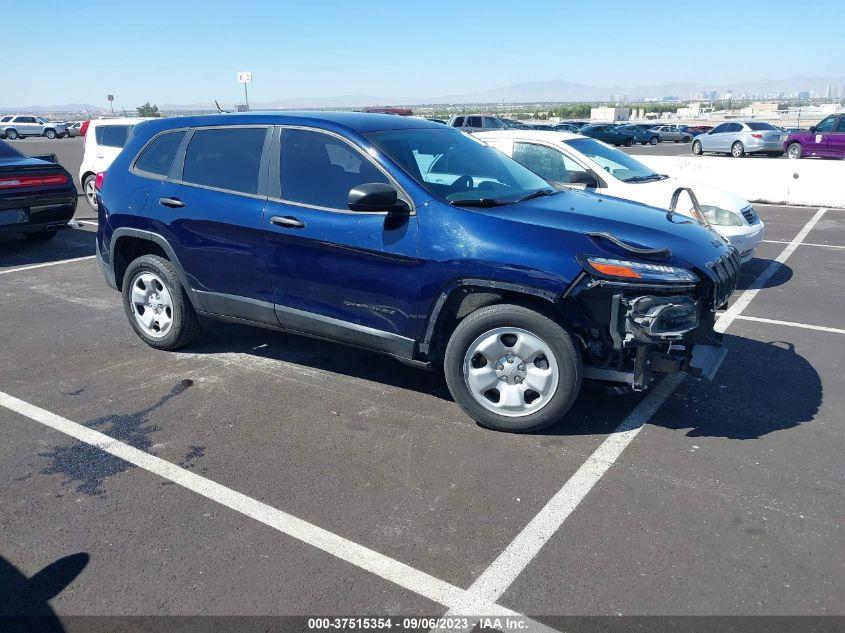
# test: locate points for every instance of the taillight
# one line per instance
(21, 181)
(101, 178)
(757, 135)
(84, 127)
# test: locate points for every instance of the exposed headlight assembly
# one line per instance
(720, 217)
(624, 270)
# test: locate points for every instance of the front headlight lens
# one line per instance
(720, 217)
(628, 270)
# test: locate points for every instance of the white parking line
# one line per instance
(56, 263)
(496, 579)
(806, 326)
(745, 298)
(369, 560)
(803, 244)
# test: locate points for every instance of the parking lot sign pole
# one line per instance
(111, 103)
(245, 78)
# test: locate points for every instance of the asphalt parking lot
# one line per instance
(259, 473)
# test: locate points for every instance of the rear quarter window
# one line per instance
(112, 135)
(158, 156)
(225, 158)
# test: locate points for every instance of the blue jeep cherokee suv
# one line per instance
(413, 239)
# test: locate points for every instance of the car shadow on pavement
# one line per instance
(751, 270)
(24, 602)
(761, 388)
(16, 250)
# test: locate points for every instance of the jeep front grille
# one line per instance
(725, 272)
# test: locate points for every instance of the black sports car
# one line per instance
(37, 195)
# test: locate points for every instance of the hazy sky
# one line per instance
(186, 52)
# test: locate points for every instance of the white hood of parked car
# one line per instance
(659, 194)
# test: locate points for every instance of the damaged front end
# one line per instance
(636, 319)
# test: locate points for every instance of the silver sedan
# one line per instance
(739, 138)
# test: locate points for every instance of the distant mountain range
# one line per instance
(526, 92)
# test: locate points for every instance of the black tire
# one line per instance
(12, 134)
(686, 139)
(186, 324)
(696, 148)
(654, 140)
(40, 236)
(553, 335)
(87, 189)
(795, 150)
(737, 149)
(628, 142)
(50, 133)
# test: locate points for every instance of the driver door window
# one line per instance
(550, 164)
(318, 170)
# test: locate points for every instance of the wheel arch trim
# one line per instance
(456, 285)
(160, 241)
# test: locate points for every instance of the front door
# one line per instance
(351, 276)
(818, 145)
(210, 211)
(836, 140)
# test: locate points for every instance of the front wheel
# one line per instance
(654, 140)
(157, 304)
(512, 369)
(628, 142)
(794, 150)
(89, 186)
(696, 148)
(50, 134)
(737, 150)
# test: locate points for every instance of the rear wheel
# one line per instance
(11, 134)
(686, 139)
(696, 148)
(90, 189)
(40, 236)
(157, 304)
(794, 150)
(628, 142)
(512, 369)
(737, 150)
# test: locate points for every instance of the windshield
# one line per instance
(619, 164)
(457, 168)
(7, 151)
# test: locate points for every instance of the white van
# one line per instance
(104, 140)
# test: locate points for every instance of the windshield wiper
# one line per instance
(478, 202)
(537, 194)
(645, 178)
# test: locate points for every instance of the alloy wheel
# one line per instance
(511, 371)
(91, 193)
(152, 305)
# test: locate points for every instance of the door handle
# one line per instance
(173, 203)
(287, 221)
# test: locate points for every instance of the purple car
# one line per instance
(827, 139)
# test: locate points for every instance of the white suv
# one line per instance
(104, 140)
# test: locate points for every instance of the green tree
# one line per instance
(148, 110)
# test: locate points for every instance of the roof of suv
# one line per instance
(354, 121)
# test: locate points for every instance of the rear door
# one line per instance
(210, 211)
(351, 276)
(26, 125)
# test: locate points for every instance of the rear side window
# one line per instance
(112, 135)
(225, 158)
(158, 156)
(319, 170)
(5, 119)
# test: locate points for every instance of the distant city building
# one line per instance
(610, 114)
(804, 95)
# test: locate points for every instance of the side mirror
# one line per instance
(812, 128)
(376, 196)
(586, 178)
